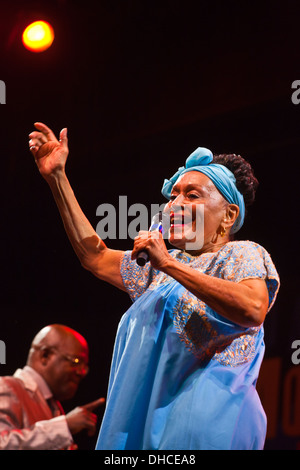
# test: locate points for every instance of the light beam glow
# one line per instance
(38, 36)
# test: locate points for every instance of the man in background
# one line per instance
(31, 416)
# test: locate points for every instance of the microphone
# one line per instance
(156, 225)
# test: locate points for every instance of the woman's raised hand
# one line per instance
(50, 154)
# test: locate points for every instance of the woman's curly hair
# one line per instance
(246, 181)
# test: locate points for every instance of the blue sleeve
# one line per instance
(136, 279)
(248, 260)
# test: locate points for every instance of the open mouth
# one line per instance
(179, 220)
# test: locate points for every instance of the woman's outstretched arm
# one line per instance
(51, 155)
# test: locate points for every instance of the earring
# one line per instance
(223, 231)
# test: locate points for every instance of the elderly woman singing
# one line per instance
(188, 351)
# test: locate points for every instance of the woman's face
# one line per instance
(196, 209)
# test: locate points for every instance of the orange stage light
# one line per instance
(38, 36)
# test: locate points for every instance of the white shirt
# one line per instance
(26, 421)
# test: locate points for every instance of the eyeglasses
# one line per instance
(76, 362)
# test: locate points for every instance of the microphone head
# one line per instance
(160, 222)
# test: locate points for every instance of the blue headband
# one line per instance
(223, 179)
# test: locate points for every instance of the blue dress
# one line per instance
(182, 376)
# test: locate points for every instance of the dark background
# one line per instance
(140, 85)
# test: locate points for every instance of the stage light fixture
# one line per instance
(38, 36)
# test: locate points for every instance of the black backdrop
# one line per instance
(140, 85)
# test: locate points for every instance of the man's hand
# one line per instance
(50, 154)
(83, 418)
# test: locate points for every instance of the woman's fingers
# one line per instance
(37, 139)
(139, 244)
(38, 136)
(144, 240)
(63, 138)
(33, 149)
(43, 135)
(48, 133)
